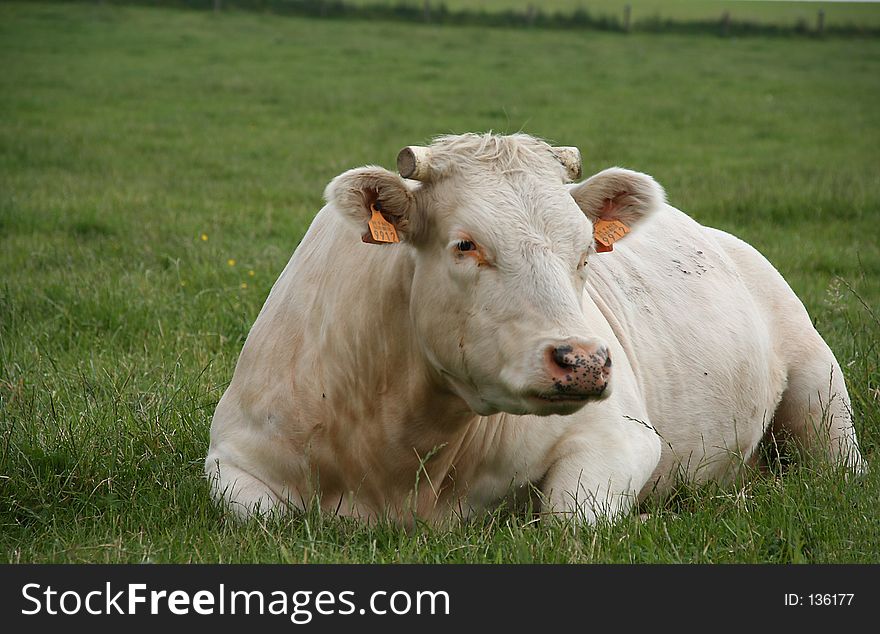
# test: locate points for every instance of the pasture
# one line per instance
(158, 167)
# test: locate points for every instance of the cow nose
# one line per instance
(571, 356)
(579, 368)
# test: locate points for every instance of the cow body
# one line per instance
(350, 393)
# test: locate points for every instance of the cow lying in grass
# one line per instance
(479, 327)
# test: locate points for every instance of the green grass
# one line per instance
(126, 134)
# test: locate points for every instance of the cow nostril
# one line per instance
(608, 361)
(561, 356)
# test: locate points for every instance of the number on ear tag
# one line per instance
(381, 231)
(606, 233)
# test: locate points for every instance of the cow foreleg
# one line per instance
(242, 493)
(598, 473)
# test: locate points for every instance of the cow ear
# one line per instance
(618, 194)
(358, 192)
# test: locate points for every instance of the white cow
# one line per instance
(494, 351)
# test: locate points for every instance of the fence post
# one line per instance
(820, 23)
(530, 15)
(218, 5)
(725, 23)
(627, 16)
(427, 10)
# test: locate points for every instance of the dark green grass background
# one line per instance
(128, 135)
(784, 12)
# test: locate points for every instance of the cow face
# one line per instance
(500, 247)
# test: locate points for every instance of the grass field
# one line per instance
(158, 168)
(760, 11)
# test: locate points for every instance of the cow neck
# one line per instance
(608, 303)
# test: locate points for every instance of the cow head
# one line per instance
(500, 246)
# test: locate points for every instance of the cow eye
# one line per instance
(465, 245)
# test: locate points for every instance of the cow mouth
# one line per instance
(565, 400)
(565, 393)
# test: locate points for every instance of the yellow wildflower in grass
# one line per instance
(244, 284)
(230, 262)
(204, 237)
(251, 273)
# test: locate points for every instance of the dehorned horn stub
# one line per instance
(570, 157)
(412, 162)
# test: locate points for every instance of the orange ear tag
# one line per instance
(381, 231)
(607, 232)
